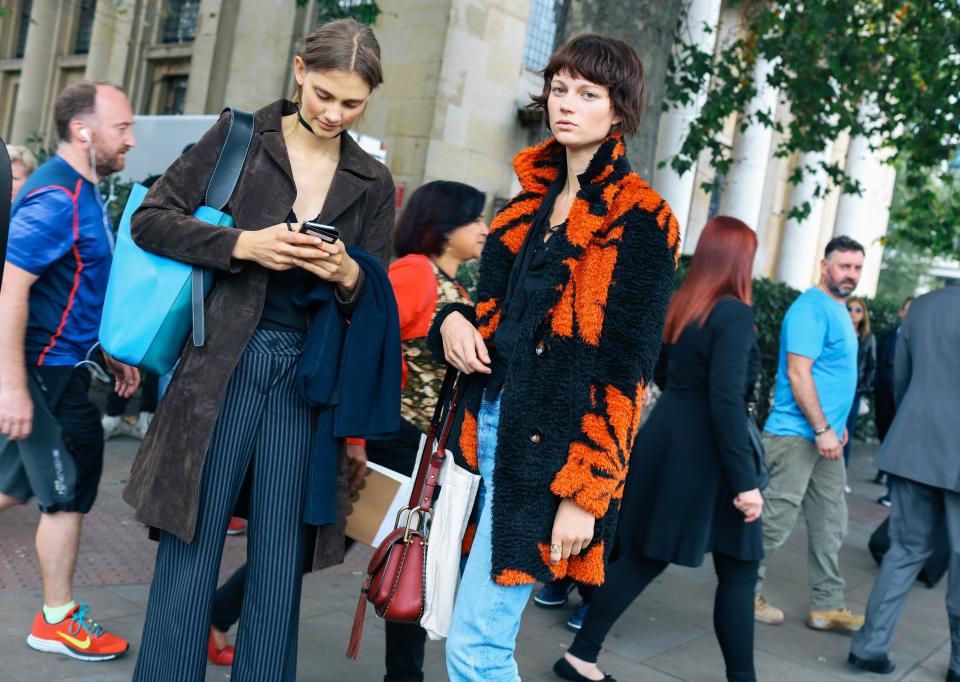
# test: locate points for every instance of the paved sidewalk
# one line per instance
(666, 635)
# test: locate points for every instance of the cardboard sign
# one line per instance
(375, 512)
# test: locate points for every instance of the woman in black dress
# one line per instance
(692, 487)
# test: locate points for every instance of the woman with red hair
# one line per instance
(693, 483)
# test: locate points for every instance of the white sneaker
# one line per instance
(143, 423)
(111, 426)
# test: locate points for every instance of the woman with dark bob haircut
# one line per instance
(236, 416)
(440, 229)
(693, 487)
(574, 284)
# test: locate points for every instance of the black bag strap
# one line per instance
(219, 190)
(6, 184)
(232, 155)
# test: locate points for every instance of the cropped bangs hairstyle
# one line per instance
(722, 265)
(605, 61)
(433, 211)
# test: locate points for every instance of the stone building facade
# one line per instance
(458, 74)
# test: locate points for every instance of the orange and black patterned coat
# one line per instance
(586, 348)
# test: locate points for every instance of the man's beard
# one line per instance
(837, 291)
(108, 164)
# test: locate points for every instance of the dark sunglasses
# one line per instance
(855, 310)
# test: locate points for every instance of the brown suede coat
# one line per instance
(165, 478)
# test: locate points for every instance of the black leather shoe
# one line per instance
(953, 676)
(565, 671)
(881, 666)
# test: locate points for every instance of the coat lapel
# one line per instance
(345, 189)
(354, 174)
(589, 219)
(272, 141)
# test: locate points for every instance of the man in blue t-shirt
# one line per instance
(51, 441)
(805, 433)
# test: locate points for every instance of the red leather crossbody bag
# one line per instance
(396, 574)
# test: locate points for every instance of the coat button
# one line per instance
(536, 436)
(541, 348)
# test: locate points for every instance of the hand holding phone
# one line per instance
(336, 266)
(327, 233)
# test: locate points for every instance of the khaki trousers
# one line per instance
(801, 479)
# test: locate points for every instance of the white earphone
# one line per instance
(85, 134)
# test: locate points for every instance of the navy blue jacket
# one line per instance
(351, 372)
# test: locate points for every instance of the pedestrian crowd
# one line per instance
(321, 354)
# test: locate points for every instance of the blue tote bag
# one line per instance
(153, 302)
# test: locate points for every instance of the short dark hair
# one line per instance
(343, 45)
(842, 243)
(433, 210)
(75, 101)
(604, 61)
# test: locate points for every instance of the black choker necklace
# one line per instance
(303, 122)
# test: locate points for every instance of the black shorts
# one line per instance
(60, 463)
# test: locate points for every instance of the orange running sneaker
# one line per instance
(76, 636)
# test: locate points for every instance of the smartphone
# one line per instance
(327, 233)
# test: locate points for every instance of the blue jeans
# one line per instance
(486, 617)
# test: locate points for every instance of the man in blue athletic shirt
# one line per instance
(804, 436)
(51, 441)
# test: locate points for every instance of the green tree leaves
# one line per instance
(885, 69)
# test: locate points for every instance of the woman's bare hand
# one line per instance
(277, 247)
(750, 504)
(333, 264)
(572, 531)
(463, 346)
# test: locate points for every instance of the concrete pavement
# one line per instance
(666, 635)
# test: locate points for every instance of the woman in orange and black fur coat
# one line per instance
(574, 284)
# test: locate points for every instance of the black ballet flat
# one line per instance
(565, 671)
(881, 666)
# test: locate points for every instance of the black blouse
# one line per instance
(526, 278)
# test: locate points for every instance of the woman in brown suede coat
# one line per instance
(231, 418)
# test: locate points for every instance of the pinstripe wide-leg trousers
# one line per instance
(263, 427)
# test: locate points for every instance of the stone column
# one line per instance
(258, 72)
(865, 217)
(798, 247)
(202, 74)
(743, 186)
(699, 28)
(101, 42)
(37, 73)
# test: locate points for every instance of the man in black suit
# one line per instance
(883, 387)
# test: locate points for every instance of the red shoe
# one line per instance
(76, 636)
(217, 656)
(237, 526)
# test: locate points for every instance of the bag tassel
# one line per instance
(356, 633)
